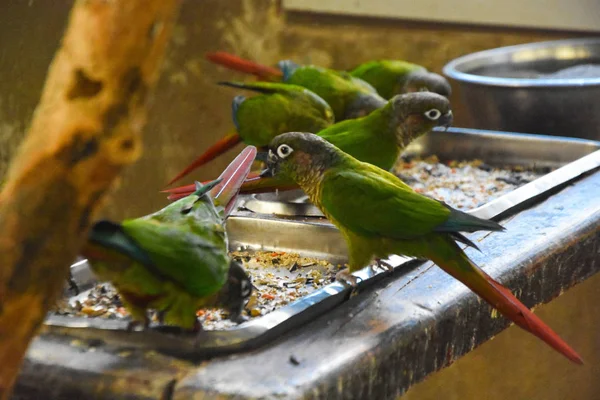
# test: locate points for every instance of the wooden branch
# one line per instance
(85, 129)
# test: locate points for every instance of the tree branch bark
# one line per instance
(86, 128)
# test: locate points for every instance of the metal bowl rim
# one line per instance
(451, 68)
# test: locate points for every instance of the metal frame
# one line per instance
(585, 49)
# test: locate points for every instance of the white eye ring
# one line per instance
(284, 150)
(434, 114)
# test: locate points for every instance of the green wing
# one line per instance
(373, 202)
(265, 87)
(384, 75)
(286, 108)
(368, 139)
(337, 89)
(194, 257)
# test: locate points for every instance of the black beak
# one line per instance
(266, 173)
(446, 120)
(262, 156)
(271, 161)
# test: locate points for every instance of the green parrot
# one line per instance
(176, 260)
(348, 96)
(377, 138)
(379, 215)
(278, 109)
(387, 77)
(392, 77)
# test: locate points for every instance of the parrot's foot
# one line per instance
(238, 318)
(346, 277)
(197, 328)
(160, 316)
(135, 323)
(384, 265)
(72, 284)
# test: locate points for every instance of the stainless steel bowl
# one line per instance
(519, 89)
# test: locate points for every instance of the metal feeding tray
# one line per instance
(301, 229)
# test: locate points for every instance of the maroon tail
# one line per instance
(213, 152)
(239, 64)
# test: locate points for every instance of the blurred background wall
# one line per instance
(190, 111)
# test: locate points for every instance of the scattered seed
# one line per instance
(255, 312)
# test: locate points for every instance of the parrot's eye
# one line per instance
(284, 150)
(434, 114)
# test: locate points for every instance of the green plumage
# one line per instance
(373, 138)
(348, 96)
(386, 76)
(379, 215)
(392, 77)
(379, 137)
(280, 108)
(174, 260)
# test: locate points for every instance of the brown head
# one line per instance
(415, 114)
(301, 157)
(425, 81)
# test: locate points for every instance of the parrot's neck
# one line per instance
(310, 181)
(382, 122)
(403, 137)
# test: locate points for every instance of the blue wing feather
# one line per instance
(235, 105)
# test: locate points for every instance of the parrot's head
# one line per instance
(300, 156)
(421, 81)
(236, 291)
(418, 113)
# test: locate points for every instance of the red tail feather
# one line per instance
(233, 177)
(175, 197)
(252, 184)
(506, 303)
(527, 320)
(183, 189)
(213, 152)
(249, 67)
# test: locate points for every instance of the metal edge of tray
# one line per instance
(260, 330)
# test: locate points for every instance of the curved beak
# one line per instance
(266, 173)
(261, 156)
(446, 120)
(271, 161)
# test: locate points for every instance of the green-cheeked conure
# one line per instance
(278, 108)
(348, 96)
(379, 215)
(175, 261)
